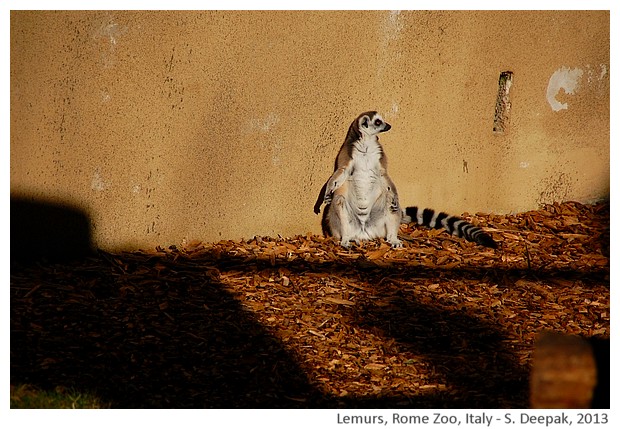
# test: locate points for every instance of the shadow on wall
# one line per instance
(47, 231)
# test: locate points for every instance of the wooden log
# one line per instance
(564, 372)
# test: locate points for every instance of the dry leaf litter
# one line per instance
(303, 323)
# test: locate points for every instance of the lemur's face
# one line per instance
(372, 125)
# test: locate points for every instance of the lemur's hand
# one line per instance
(328, 197)
(394, 203)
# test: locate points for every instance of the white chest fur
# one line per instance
(366, 172)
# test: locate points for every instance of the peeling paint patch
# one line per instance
(105, 97)
(393, 26)
(566, 79)
(275, 153)
(263, 125)
(389, 34)
(592, 70)
(110, 32)
(97, 183)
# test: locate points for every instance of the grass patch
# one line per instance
(26, 396)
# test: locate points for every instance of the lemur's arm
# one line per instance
(341, 172)
(335, 182)
(392, 194)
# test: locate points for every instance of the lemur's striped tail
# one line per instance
(454, 225)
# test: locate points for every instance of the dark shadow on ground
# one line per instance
(464, 350)
(149, 335)
(156, 343)
(143, 333)
(602, 355)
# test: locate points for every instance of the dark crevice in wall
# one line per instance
(503, 104)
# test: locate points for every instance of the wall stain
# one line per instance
(173, 88)
(555, 188)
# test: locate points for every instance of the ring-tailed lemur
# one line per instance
(362, 201)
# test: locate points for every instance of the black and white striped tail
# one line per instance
(454, 225)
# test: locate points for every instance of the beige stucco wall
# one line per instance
(164, 126)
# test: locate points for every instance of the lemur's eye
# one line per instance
(378, 122)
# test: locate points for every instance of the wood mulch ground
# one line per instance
(303, 323)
